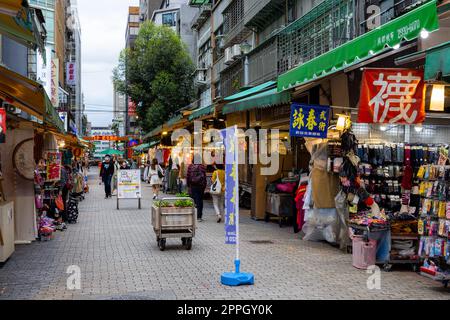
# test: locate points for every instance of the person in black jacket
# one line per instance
(106, 173)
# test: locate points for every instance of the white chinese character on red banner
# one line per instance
(395, 95)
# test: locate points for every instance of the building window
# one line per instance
(168, 19)
(134, 18)
(134, 31)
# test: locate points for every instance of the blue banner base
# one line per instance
(233, 279)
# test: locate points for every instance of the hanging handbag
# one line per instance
(59, 203)
(216, 187)
(39, 201)
(160, 173)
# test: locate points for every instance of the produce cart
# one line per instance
(174, 218)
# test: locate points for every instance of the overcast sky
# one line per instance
(103, 25)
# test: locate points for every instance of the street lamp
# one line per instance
(246, 47)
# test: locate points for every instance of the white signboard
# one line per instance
(129, 184)
(55, 82)
(44, 70)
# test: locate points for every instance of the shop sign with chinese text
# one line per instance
(54, 161)
(309, 120)
(70, 74)
(395, 96)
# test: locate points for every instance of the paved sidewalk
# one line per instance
(119, 259)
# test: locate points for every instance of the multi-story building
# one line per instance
(132, 31)
(202, 24)
(63, 46)
(120, 109)
(72, 68)
(132, 26)
(101, 146)
(178, 15)
(147, 7)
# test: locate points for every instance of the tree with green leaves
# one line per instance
(156, 74)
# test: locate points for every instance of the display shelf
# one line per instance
(404, 237)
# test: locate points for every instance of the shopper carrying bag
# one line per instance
(156, 174)
(218, 191)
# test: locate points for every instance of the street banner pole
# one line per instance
(232, 209)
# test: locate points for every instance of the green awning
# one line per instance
(154, 143)
(51, 117)
(406, 27)
(438, 60)
(262, 100)
(201, 112)
(251, 91)
(142, 147)
(198, 3)
(154, 132)
(174, 120)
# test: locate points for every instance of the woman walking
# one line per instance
(155, 174)
(218, 191)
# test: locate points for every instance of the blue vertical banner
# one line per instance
(232, 185)
(309, 121)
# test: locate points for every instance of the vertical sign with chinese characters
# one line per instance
(55, 82)
(232, 185)
(54, 161)
(395, 96)
(309, 121)
(70, 74)
(2, 125)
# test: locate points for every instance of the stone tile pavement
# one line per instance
(119, 259)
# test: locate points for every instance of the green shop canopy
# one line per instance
(198, 3)
(142, 147)
(249, 92)
(51, 117)
(154, 132)
(406, 27)
(198, 113)
(261, 100)
(154, 143)
(174, 121)
(111, 152)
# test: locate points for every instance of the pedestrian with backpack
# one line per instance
(196, 181)
(155, 173)
(218, 191)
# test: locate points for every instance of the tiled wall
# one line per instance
(400, 133)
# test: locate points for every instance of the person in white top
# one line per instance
(155, 174)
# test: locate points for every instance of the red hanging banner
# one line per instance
(2, 125)
(395, 96)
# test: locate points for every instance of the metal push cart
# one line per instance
(174, 222)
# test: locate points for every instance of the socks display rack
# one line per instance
(385, 171)
(434, 222)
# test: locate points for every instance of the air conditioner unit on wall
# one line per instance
(236, 51)
(228, 55)
(201, 76)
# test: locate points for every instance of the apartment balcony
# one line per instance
(202, 16)
(261, 13)
(235, 30)
(262, 61)
(232, 79)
